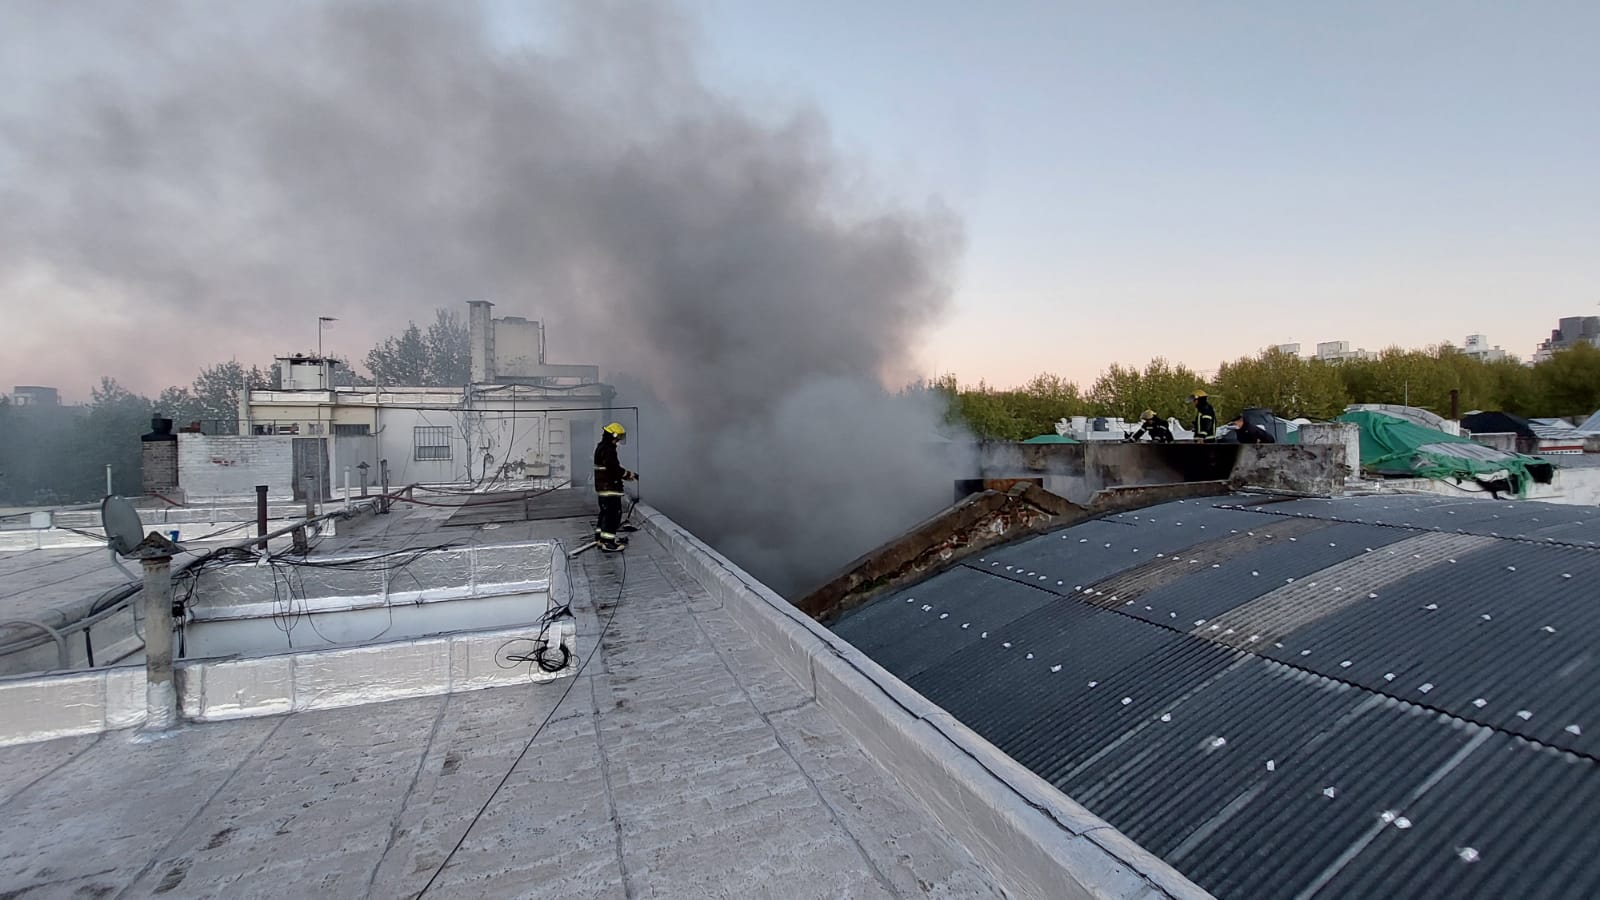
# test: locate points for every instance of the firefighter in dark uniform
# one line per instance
(1247, 432)
(1154, 426)
(1205, 418)
(608, 478)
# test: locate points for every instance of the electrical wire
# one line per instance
(535, 656)
(286, 616)
(88, 534)
(611, 616)
(53, 562)
(486, 499)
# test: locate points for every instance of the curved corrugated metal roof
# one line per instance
(1381, 696)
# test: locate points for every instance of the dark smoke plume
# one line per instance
(218, 169)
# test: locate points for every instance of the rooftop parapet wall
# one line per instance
(1315, 470)
(1078, 471)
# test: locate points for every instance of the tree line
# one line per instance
(57, 455)
(1566, 385)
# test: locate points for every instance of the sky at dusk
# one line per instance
(1133, 179)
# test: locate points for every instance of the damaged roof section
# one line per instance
(1010, 509)
(1384, 696)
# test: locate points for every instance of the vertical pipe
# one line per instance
(108, 479)
(346, 488)
(161, 693)
(261, 514)
(383, 484)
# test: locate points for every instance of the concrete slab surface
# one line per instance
(679, 763)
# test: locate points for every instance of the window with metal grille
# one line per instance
(362, 430)
(433, 442)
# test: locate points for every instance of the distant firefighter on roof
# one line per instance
(1153, 425)
(1205, 418)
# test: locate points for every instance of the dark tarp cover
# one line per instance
(1497, 423)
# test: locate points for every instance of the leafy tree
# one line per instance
(1514, 388)
(986, 413)
(1161, 386)
(449, 350)
(1414, 377)
(1568, 384)
(1425, 378)
(993, 414)
(109, 434)
(441, 357)
(213, 398)
(401, 360)
(1284, 383)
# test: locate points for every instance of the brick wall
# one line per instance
(229, 466)
(159, 467)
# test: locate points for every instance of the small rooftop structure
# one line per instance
(35, 395)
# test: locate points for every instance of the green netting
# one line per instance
(1391, 446)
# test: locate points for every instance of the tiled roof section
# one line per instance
(1372, 696)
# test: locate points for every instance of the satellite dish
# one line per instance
(122, 525)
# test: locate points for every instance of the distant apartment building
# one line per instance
(1477, 347)
(1339, 351)
(1291, 349)
(34, 395)
(1569, 332)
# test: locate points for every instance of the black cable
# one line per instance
(621, 587)
(88, 534)
(540, 642)
(53, 562)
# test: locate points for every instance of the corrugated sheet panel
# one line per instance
(1102, 547)
(1506, 636)
(1314, 804)
(1015, 678)
(1512, 820)
(1516, 519)
(1214, 589)
(944, 615)
(1301, 698)
(1212, 744)
(1112, 705)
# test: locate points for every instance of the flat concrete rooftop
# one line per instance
(681, 762)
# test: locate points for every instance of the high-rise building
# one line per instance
(1569, 332)
(1339, 351)
(1477, 347)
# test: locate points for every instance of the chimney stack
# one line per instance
(480, 335)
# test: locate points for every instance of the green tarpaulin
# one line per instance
(1050, 439)
(1391, 446)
